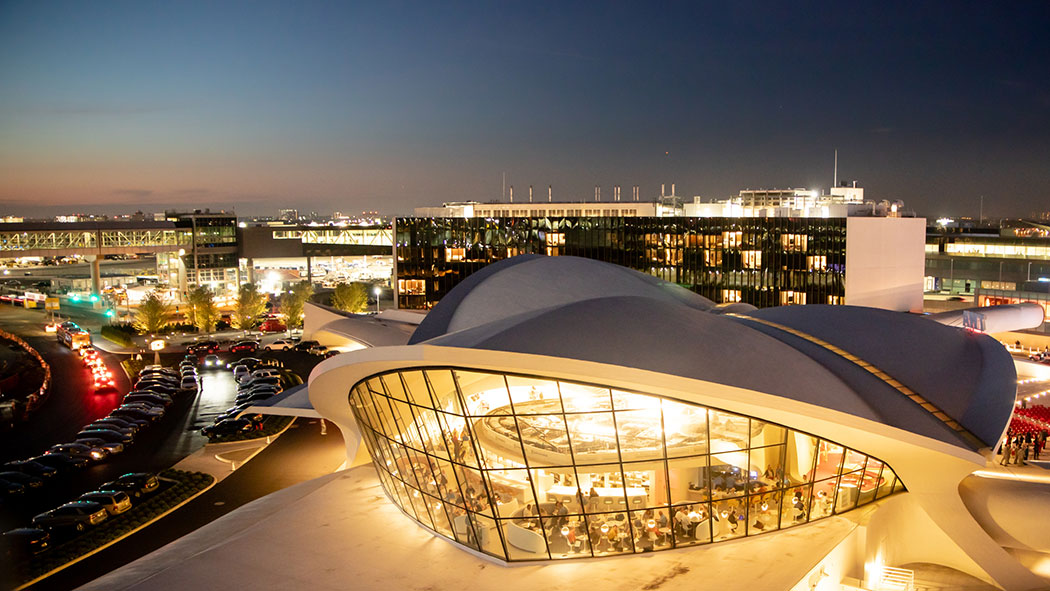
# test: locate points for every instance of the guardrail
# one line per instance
(34, 399)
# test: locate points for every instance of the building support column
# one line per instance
(96, 278)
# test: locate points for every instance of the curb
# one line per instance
(115, 540)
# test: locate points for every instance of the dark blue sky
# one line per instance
(113, 106)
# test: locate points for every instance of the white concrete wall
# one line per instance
(885, 262)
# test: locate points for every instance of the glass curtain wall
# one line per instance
(760, 261)
(527, 468)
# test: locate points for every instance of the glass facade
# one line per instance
(760, 261)
(529, 468)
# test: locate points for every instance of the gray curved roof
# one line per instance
(609, 316)
(530, 282)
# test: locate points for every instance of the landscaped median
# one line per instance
(177, 487)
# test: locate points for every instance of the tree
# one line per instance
(202, 310)
(251, 306)
(152, 314)
(292, 303)
(350, 297)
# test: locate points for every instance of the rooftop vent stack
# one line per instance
(663, 189)
(672, 189)
(530, 193)
(548, 193)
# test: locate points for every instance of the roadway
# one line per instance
(300, 454)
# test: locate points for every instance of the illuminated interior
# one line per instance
(526, 468)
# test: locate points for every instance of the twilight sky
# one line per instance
(117, 106)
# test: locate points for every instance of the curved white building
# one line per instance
(557, 408)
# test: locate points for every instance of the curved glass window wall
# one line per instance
(527, 468)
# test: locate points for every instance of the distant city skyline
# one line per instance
(255, 107)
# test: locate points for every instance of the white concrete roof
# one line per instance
(342, 532)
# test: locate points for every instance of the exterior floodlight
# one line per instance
(109, 313)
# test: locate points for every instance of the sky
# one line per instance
(112, 107)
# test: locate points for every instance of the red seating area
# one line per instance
(1039, 413)
(1023, 426)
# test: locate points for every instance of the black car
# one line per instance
(133, 413)
(24, 542)
(11, 489)
(203, 348)
(79, 450)
(135, 484)
(32, 468)
(249, 362)
(158, 399)
(135, 424)
(158, 372)
(26, 480)
(169, 389)
(78, 515)
(104, 424)
(62, 461)
(304, 346)
(227, 427)
(106, 435)
(269, 380)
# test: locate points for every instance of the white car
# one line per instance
(279, 345)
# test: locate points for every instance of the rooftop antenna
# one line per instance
(503, 191)
(530, 193)
(835, 179)
(548, 193)
(636, 192)
(512, 193)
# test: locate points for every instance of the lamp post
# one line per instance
(156, 346)
(376, 291)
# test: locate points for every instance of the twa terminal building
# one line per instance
(557, 422)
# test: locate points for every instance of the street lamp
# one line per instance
(157, 346)
(377, 291)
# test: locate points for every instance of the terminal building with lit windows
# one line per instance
(763, 261)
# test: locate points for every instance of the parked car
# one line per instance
(25, 542)
(244, 347)
(304, 346)
(248, 362)
(157, 370)
(271, 363)
(227, 427)
(135, 484)
(279, 345)
(106, 435)
(256, 397)
(262, 372)
(115, 501)
(232, 413)
(133, 413)
(203, 348)
(156, 399)
(153, 411)
(271, 380)
(79, 450)
(78, 515)
(27, 480)
(319, 350)
(61, 461)
(32, 468)
(136, 424)
(189, 383)
(9, 488)
(112, 447)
